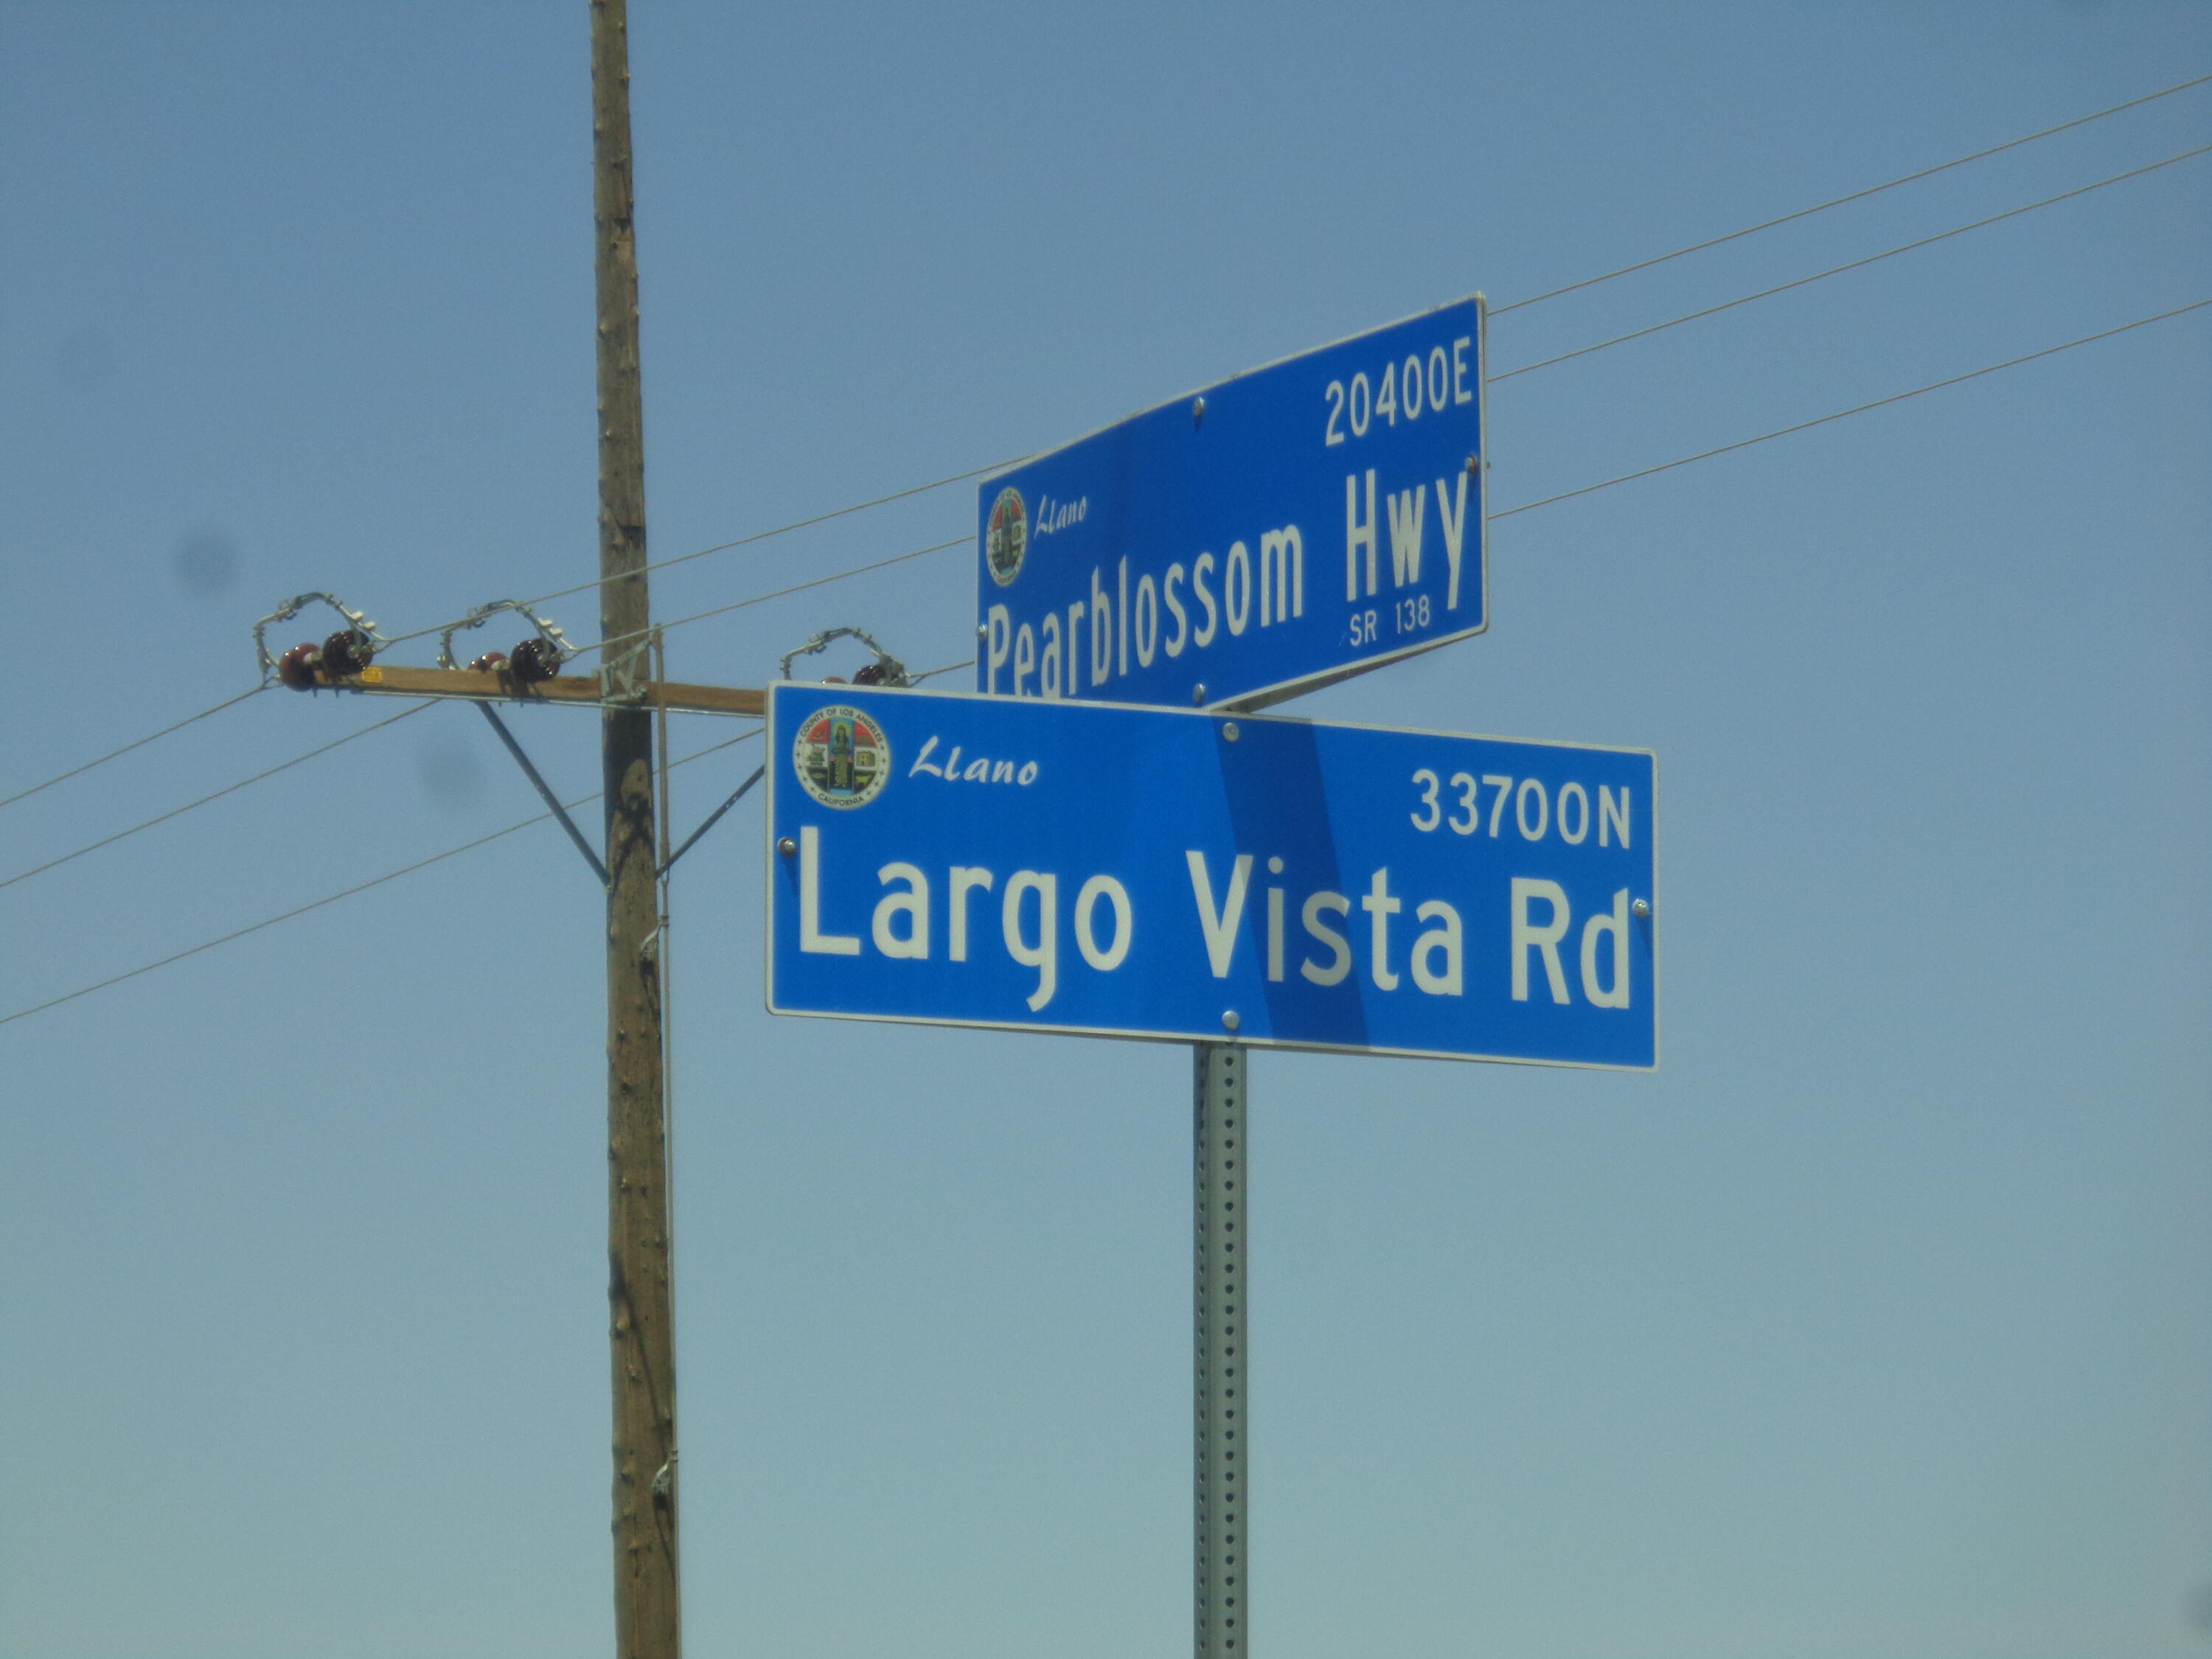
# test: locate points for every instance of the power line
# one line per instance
(1855, 196)
(932, 673)
(820, 581)
(227, 789)
(1861, 409)
(757, 536)
(782, 593)
(297, 910)
(332, 898)
(1855, 265)
(61, 777)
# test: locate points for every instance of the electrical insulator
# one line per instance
(535, 660)
(296, 667)
(347, 651)
(885, 669)
(490, 663)
(343, 655)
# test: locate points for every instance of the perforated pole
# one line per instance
(1223, 1266)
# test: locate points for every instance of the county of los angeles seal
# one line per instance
(841, 757)
(1006, 536)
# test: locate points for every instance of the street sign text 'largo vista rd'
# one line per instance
(1082, 868)
(1282, 530)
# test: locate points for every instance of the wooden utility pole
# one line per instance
(639, 1288)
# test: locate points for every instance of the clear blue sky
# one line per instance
(1877, 1322)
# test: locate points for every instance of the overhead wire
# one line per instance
(332, 898)
(932, 673)
(216, 795)
(75, 771)
(1841, 413)
(747, 540)
(779, 593)
(1854, 196)
(1854, 265)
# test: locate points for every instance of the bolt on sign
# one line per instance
(1049, 866)
(1285, 529)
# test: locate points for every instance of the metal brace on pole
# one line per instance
(712, 818)
(623, 674)
(544, 792)
(1221, 1279)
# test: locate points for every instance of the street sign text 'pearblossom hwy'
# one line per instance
(1277, 531)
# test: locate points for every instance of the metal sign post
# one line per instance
(1222, 1579)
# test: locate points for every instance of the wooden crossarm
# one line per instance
(483, 685)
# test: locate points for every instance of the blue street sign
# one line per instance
(1164, 873)
(1285, 529)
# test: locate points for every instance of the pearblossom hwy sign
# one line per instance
(1285, 529)
(1161, 873)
